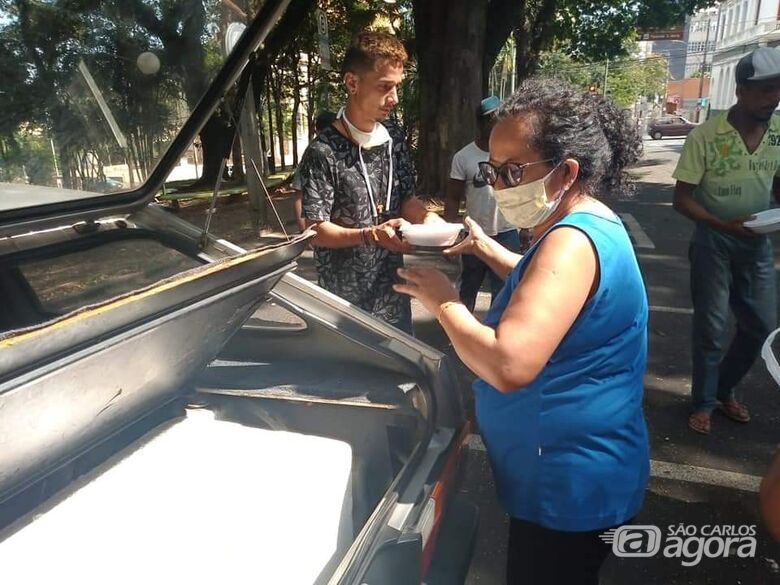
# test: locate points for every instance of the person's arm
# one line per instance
(769, 496)
(689, 173)
(498, 258)
(685, 204)
(456, 187)
(456, 190)
(544, 306)
(413, 210)
(318, 197)
(331, 235)
(298, 209)
(776, 189)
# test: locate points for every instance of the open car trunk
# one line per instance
(237, 490)
(256, 430)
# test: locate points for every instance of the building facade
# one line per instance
(743, 25)
(702, 35)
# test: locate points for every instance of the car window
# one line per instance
(74, 280)
(94, 92)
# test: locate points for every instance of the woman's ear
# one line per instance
(571, 172)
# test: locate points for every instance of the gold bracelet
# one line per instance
(446, 306)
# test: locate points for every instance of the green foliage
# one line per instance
(26, 156)
(45, 92)
(628, 78)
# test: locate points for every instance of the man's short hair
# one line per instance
(369, 48)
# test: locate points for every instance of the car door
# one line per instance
(678, 127)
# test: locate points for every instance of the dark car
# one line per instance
(105, 185)
(174, 408)
(670, 126)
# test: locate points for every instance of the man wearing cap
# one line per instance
(465, 180)
(728, 171)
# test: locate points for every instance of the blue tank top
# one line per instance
(570, 450)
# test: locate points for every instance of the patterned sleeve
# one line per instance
(315, 175)
(404, 165)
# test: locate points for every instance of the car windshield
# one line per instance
(94, 91)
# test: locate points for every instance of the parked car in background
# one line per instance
(670, 126)
(105, 185)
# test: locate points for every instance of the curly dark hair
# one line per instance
(592, 129)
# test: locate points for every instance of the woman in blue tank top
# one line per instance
(561, 354)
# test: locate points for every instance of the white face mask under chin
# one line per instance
(527, 206)
(367, 140)
(378, 136)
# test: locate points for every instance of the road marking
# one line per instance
(637, 233)
(679, 472)
(706, 475)
(675, 310)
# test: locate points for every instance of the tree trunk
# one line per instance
(311, 95)
(238, 161)
(447, 48)
(295, 62)
(271, 161)
(296, 108)
(504, 16)
(263, 147)
(214, 137)
(277, 85)
(532, 38)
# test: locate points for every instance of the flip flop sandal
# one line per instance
(736, 411)
(699, 424)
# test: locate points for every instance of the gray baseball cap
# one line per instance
(759, 65)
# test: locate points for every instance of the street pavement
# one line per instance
(696, 481)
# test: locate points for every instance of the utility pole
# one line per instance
(606, 75)
(702, 69)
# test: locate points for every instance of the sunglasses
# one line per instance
(511, 173)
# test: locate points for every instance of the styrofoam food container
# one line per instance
(765, 222)
(432, 234)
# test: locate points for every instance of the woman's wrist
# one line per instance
(484, 248)
(444, 307)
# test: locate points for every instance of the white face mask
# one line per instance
(378, 136)
(526, 206)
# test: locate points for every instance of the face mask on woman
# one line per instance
(526, 206)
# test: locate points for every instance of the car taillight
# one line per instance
(435, 506)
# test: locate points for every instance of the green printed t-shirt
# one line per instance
(730, 181)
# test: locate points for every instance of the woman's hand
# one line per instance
(385, 235)
(429, 286)
(475, 241)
